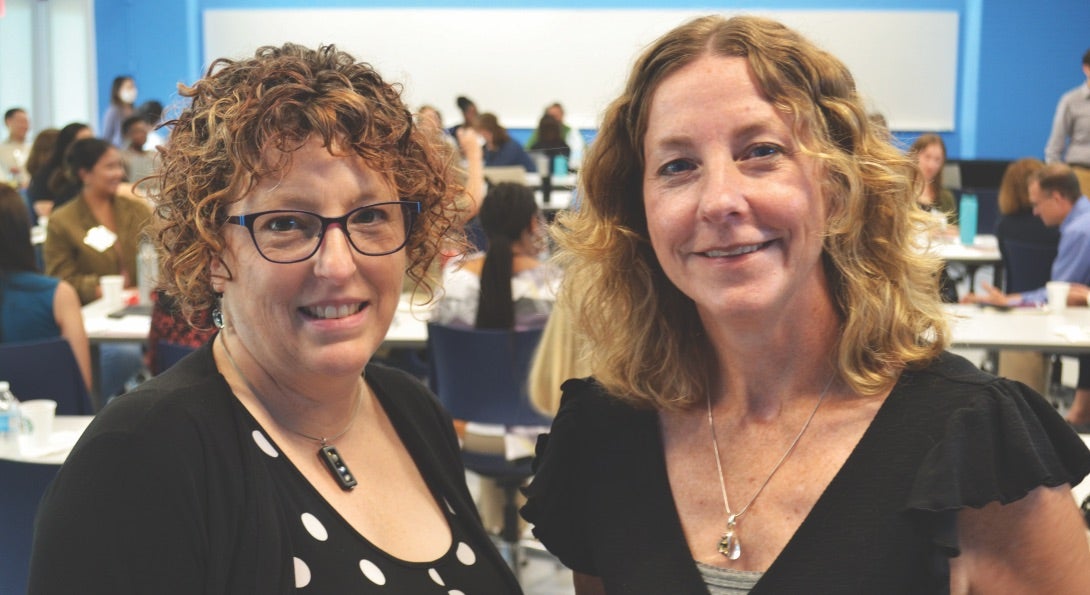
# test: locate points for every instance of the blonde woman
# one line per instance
(772, 409)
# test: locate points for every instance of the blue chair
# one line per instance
(480, 376)
(23, 486)
(46, 370)
(1026, 266)
(167, 354)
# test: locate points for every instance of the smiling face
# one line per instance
(325, 316)
(18, 126)
(930, 160)
(734, 215)
(1049, 206)
(104, 178)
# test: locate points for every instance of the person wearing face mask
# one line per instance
(122, 100)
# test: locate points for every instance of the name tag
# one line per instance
(100, 238)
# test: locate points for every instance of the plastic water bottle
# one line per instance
(10, 421)
(147, 271)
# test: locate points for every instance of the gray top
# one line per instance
(1071, 128)
(724, 581)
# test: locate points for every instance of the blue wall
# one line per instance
(1016, 57)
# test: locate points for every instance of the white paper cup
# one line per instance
(38, 417)
(1057, 295)
(111, 291)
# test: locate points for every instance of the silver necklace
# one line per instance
(730, 545)
(326, 452)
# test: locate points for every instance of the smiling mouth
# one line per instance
(332, 312)
(738, 251)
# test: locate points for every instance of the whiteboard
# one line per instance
(515, 62)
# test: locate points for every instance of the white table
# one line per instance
(983, 251)
(1034, 329)
(66, 430)
(101, 328)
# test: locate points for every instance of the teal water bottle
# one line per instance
(560, 165)
(967, 215)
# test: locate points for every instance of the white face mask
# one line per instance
(127, 95)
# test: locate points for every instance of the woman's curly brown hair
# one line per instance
(278, 99)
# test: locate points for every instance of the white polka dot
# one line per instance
(449, 507)
(314, 527)
(302, 573)
(264, 444)
(455, 592)
(434, 574)
(465, 554)
(372, 572)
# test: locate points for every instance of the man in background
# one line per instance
(1070, 138)
(1056, 199)
(14, 150)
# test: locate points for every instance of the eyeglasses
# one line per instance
(286, 237)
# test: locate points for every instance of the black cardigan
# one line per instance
(163, 492)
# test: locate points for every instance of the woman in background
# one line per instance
(549, 140)
(50, 184)
(94, 235)
(1016, 219)
(929, 153)
(122, 105)
(98, 233)
(1018, 224)
(500, 148)
(508, 286)
(34, 306)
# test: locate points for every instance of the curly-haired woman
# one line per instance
(296, 193)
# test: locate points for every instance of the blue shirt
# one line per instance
(509, 153)
(1072, 262)
(26, 307)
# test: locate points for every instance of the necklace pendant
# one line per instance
(730, 545)
(337, 468)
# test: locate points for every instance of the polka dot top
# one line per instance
(330, 556)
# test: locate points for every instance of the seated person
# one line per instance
(97, 234)
(1018, 223)
(169, 324)
(548, 140)
(500, 148)
(139, 162)
(1056, 198)
(34, 306)
(508, 286)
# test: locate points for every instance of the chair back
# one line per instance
(480, 375)
(167, 354)
(1026, 266)
(46, 370)
(23, 487)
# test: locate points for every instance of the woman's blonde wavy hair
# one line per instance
(278, 99)
(646, 342)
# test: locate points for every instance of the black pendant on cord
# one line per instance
(336, 466)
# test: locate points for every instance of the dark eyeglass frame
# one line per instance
(411, 209)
